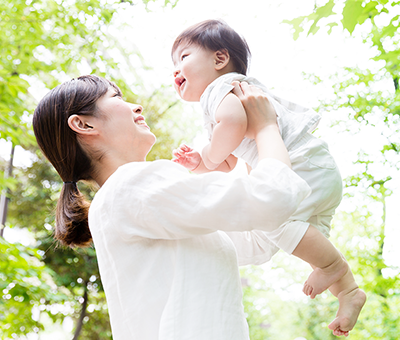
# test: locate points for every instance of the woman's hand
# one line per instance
(262, 125)
(260, 112)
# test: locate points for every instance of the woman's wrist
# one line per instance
(270, 144)
(265, 132)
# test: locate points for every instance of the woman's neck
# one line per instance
(106, 167)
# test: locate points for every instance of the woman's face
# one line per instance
(123, 126)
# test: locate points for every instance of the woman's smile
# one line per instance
(139, 120)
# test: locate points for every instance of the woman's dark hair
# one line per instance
(216, 35)
(60, 145)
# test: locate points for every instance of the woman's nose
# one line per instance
(137, 109)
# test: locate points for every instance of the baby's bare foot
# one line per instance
(350, 305)
(322, 278)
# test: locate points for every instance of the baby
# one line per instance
(208, 57)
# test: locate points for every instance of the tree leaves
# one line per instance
(23, 283)
(319, 13)
(352, 14)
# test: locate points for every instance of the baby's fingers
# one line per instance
(185, 148)
(177, 153)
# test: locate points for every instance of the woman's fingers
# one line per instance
(245, 87)
(248, 94)
(240, 89)
(237, 90)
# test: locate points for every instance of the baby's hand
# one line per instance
(187, 157)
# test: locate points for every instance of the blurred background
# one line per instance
(340, 57)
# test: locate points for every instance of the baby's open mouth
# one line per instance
(179, 81)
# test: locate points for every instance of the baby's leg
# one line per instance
(331, 270)
(320, 253)
(351, 301)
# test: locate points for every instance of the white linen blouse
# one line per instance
(169, 244)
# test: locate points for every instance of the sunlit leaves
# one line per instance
(25, 284)
(355, 13)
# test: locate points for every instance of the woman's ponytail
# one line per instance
(72, 227)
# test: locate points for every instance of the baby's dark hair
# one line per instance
(216, 35)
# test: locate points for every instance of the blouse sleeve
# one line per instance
(164, 201)
(253, 247)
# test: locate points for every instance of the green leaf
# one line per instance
(331, 25)
(296, 25)
(321, 12)
(351, 13)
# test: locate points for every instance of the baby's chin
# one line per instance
(190, 98)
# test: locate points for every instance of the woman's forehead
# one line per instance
(112, 89)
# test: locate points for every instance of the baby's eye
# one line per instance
(184, 56)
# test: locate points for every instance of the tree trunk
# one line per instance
(79, 324)
(4, 199)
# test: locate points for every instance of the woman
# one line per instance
(168, 243)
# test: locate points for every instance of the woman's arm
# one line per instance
(163, 200)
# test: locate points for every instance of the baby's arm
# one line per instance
(228, 133)
(191, 160)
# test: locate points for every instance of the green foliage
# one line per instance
(364, 92)
(41, 39)
(25, 283)
(315, 17)
(354, 12)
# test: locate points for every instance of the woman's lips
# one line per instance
(140, 121)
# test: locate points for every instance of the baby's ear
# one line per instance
(222, 59)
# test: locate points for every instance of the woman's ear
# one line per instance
(82, 124)
(221, 59)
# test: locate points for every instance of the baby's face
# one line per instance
(194, 71)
